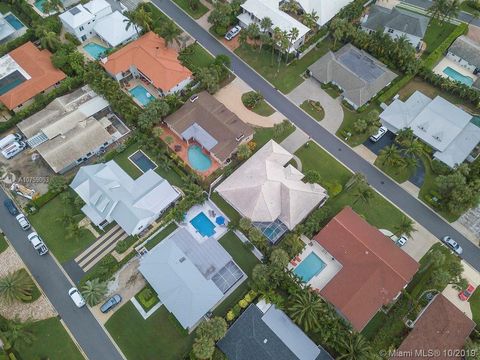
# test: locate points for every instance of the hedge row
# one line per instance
(394, 88)
(106, 268)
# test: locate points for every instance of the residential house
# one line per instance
(96, 18)
(466, 52)
(25, 72)
(208, 122)
(149, 58)
(190, 276)
(271, 193)
(72, 128)
(445, 127)
(263, 332)
(374, 270)
(6, 29)
(253, 11)
(325, 9)
(396, 22)
(110, 194)
(359, 75)
(440, 329)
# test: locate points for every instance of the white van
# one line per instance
(13, 149)
(7, 140)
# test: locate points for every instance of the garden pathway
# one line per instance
(310, 90)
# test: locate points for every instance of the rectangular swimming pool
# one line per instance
(142, 95)
(203, 225)
(311, 266)
(455, 75)
(95, 50)
(142, 161)
(12, 20)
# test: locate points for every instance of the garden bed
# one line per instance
(147, 298)
(314, 109)
(261, 107)
(194, 13)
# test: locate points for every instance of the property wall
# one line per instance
(180, 86)
(461, 62)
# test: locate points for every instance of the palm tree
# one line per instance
(51, 6)
(265, 25)
(253, 32)
(19, 332)
(363, 194)
(94, 291)
(73, 230)
(389, 155)
(310, 20)
(50, 41)
(406, 227)
(142, 18)
(16, 286)
(292, 37)
(306, 309)
(170, 32)
(404, 136)
(355, 347)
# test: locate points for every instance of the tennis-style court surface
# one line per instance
(227, 276)
(142, 161)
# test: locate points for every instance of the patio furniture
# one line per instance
(297, 258)
(178, 148)
(293, 263)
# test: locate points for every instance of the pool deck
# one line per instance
(332, 266)
(94, 40)
(207, 209)
(445, 62)
(136, 82)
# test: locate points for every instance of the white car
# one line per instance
(22, 220)
(233, 32)
(402, 240)
(76, 297)
(37, 243)
(382, 130)
(452, 244)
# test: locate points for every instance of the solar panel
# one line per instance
(74, 11)
(361, 65)
(227, 276)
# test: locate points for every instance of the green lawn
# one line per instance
(288, 77)
(195, 56)
(349, 118)
(158, 337)
(467, 8)
(54, 232)
(436, 33)
(264, 135)
(246, 260)
(3, 244)
(51, 342)
(261, 108)
(312, 110)
(161, 235)
(475, 305)
(147, 298)
(197, 13)
(398, 173)
(231, 213)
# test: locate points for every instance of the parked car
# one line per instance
(13, 149)
(382, 130)
(402, 240)
(111, 303)
(76, 297)
(465, 294)
(37, 243)
(193, 98)
(22, 220)
(452, 244)
(7, 140)
(233, 32)
(10, 205)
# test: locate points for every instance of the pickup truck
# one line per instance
(37, 243)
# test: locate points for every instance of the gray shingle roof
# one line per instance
(397, 19)
(360, 75)
(467, 49)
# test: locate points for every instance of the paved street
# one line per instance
(342, 152)
(81, 323)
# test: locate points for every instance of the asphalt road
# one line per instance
(81, 323)
(388, 188)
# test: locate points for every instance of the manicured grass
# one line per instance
(3, 244)
(231, 213)
(264, 135)
(147, 298)
(195, 56)
(288, 77)
(51, 342)
(158, 337)
(246, 260)
(398, 173)
(261, 108)
(161, 235)
(313, 110)
(467, 8)
(475, 305)
(197, 13)
(332, 91)
(349, 118)
(436, 33)
(54, 233)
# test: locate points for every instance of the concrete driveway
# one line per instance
(310, 90)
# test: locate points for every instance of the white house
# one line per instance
(466, 53)
(325, 9)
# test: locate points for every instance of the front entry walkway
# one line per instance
(295, 140)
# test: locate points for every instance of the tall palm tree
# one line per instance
(310, 20)
(142, 18)
(265, 25)
(415, 148)
(253, 32)
(51, 6)
(355, 347)
(306, 309)
(19, 332)
(404, 136)
(49, 40)
(363, 194)
(292, 37)
(389, 155)
(94, 291)
(170, 32)
(406, 226)
(16, 286)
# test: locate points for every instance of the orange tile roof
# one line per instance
(150, 55)
(374, 269)
(38, 65)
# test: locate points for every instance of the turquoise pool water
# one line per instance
(204, 226)
(39, 5)
(12, 20)
(142, 95)
(197, 159)
(311, 266)
(142, 161)
(455, 75)
(95, 50)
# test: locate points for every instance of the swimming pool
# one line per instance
(142, 95)
(39, 5)
(197, 159)
(142, 161)
(312, 265)
(95, 50)
(12, 20)
(455, 75)
(204, 226)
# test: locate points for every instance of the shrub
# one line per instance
(125, 244)
(236, 310)
(73, 39)
(243, 304)
(43, 199)
(394, 88)
(221, 30)
(230, 315)
(440, 168)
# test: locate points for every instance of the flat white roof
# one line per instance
(96, 6)
(76, 16)
(112, 29)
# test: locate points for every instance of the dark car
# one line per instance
(111, 303)
(12, 209)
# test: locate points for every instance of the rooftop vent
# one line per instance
(182, 259)
(74, 11)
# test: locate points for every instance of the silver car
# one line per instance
(452, 244)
